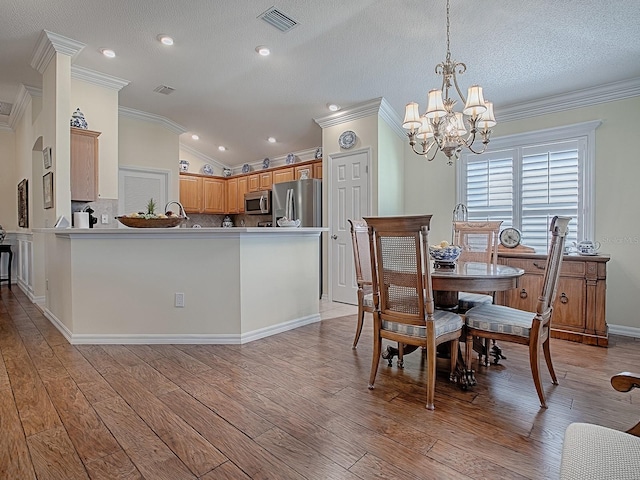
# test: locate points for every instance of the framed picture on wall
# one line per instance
(47, 190)
(46, 155)
(23, 204)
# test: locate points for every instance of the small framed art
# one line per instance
(46, 155)
(23, 204)
(47, 190)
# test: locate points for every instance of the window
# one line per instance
(526, 179)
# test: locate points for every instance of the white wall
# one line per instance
(390, 170)
(8, 184)
(147, 144)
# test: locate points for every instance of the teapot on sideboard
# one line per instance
(587, 247)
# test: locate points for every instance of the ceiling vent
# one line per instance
(5, 108)
(275, 17)
(164, 89)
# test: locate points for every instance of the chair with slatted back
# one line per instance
(519, 326)
(362, 261)
(403, 295)
(479, 242)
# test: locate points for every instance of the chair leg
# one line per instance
(487, 350)
(400, 355)
(431, 376)
(468, 350)
(359, 326)
(377, 346)
(455, 344)
(534, 348)
(547, 356)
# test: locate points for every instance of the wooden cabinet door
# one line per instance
(283, 175)
(266, 181)
(84, 165)
(243, 187)
(305, 171)
(525, 297)
(214, 195)
(232, 195)
(569, 305)
(254, 182)
(191, 193)
(317, 169)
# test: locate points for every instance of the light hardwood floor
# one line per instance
(291, 406)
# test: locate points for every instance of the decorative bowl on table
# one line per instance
(152, 222)
(285, 222)
(444, 254)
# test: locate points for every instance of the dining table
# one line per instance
(450, 279)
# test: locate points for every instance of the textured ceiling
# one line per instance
(344, 52)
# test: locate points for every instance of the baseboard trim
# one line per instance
(624, 331)
(208, 339)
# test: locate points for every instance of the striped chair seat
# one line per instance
(500, 319)
(468, 300)
(446, 322)
(367, 300)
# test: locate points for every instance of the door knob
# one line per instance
(335, 237)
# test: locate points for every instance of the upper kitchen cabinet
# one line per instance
(283, 175)
(266, 180)
(191, 193)
(84, 165)
(232, 196)
(214, 194)
(317, 169)
(253, 182)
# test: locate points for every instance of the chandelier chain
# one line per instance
(448, 27)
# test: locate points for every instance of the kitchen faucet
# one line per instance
(181, 212)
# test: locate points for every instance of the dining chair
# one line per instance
(362, 261)
(519, 326)
(403, 295)
(479, 243)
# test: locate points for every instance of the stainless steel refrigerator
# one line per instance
(305, 203)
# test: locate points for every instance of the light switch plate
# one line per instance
(105, 218)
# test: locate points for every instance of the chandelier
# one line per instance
(442, 127)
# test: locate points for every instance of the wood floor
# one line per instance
(292, 406)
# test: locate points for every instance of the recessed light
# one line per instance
(262, 50)
(222, 148)
(333, 107)
(165, 39)
(195, 137)
(107, 52)
(271, 140)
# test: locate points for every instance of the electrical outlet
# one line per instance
(180, 300)
(105, 218)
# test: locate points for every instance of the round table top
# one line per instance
(475, 276)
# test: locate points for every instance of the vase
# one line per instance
(78, 120)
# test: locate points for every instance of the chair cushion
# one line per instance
(367, 300)
(500, 319)
(445, 322)
(467, 300)
(594, 452)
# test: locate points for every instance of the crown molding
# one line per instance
(97, 78)
(202, 156)
(48, 45)
(585, 97)
(4, 126)
(150, 117)
(354, 112)
(391, 118)
(33, 91)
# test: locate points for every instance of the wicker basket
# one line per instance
(150, 222)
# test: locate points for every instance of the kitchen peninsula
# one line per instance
(124, 285)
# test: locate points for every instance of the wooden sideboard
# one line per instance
(580, 305)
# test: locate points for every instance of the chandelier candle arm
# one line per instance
(441, 126)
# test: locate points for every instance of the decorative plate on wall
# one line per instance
(207, 169)
(265, 163)
(226, 172)
(291, 158)
(246, 168)
(347, 139)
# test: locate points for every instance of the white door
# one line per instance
(348, 199)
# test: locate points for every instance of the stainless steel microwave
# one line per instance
(257, 203)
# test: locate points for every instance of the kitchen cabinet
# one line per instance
(243, 187)
(283, 175)
(266, 180)
(579, 306)
(304, 171)
(232, 195)
(213, 195)
(84, 165)
(191, 193)
(317, 169)
(253, 182)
